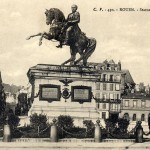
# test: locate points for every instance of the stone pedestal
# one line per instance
(53, 134)
(64, 78)
(97, 135)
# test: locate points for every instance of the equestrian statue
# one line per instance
(67, 32)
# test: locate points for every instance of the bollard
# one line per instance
(139, 133)
(7, 132)
(97, 135)
(54, 136)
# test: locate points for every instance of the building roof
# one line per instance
(143, 96)
(111, 61)
(128, 77)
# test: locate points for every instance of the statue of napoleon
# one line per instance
(67, 32)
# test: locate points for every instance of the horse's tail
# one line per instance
(90, 48)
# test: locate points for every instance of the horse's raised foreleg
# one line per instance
(46, 36)
(43, 35)
(28, 38)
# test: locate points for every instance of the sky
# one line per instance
(120, 35)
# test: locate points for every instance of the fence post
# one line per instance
(139, 133)
(53, 134)
(7, 132)
(97, 135)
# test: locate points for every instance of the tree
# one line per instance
(13, 120)
(2, 99)
(123, 124)
(22, 103)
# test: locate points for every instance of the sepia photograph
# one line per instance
(74, 74)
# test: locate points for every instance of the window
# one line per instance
(104, 96)
(114, 107)
(97, 95)
(117, 78)
(134, 117)
(143, 103)
(142, 117)
(111, 87)
(104, 77)
(103, 115)
(97, 85)
(118, 96)
(104, 105)
(104, 86)
(126, 116)
(111, 78)
(108, 66)
(117, 87)
(111, 96)
(134, 103)
(126, 103)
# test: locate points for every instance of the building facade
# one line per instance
(136, 107)
(109, 88)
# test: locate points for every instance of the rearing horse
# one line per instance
(78, 42)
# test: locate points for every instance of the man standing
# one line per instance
(149, 122)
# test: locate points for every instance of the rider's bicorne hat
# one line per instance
(74, 6)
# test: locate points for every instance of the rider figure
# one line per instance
(72, 21)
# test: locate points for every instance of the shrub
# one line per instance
(90, 128)
(39, 125)
(110, 125)
(65, 122)
(117, 128)
(123, 125)
(30, 132)
(38, 121)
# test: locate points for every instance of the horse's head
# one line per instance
(52, 14)
(49, 17)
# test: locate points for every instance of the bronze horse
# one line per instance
(78, 42)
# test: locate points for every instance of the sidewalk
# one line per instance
(72, 146)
